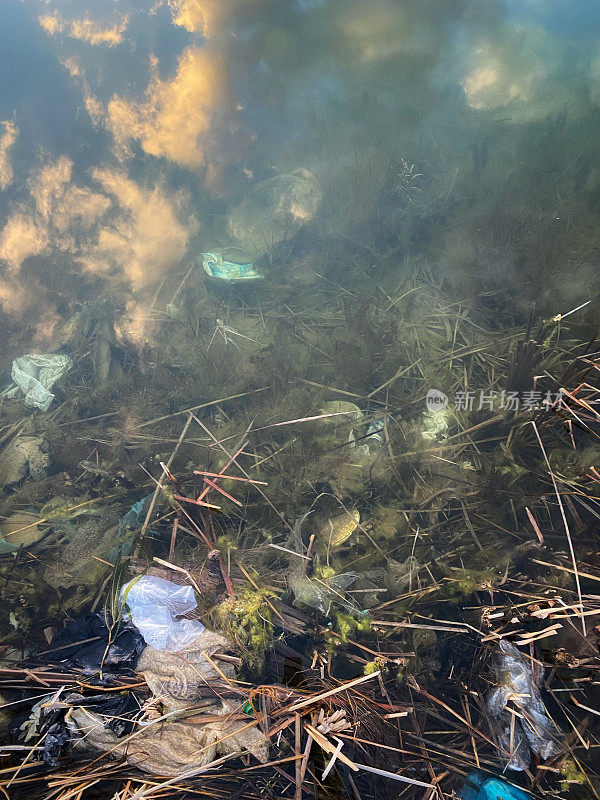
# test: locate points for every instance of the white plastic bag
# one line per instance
(153, 605)
(36, 374)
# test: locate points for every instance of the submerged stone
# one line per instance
(274, 210)
(343, 412)
(25, 457)
(340, 528)
(19, 529)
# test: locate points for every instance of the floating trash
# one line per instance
(479, 787)
(216, 267)
(35, 374)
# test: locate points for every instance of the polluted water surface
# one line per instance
(299, 399)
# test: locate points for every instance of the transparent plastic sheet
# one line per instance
(154, 605)
(306, 591)
(321, 596)
(36, 374)
(519, 682)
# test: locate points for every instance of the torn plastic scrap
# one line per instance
(215, 266)
(520, 680)
(35, 374)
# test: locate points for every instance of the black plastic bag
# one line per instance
(84, 644)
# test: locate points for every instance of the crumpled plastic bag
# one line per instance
(110, 652)
(322, 595)
(519, 682)
(36, 374)
(171, 747)
(47, 720)
(153, 605)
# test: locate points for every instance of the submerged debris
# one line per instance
(163, 744)
(35, 374)
(217, 267)
(170, 748)
(25, 457)
(519, 681)
(20, 529)
(423, 576)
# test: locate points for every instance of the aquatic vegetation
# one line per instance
(318, 398)
(247, 619)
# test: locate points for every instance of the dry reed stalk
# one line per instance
(161, 480)
(566, 525)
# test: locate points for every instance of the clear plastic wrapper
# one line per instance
(154, 605)
(36, 374)
(519, 682)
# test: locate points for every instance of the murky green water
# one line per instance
(344, 253)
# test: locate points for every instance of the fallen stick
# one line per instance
(566, 525)
(384, 774)
(163, 476)
(228, 477)
(318, 697)
(326, 745)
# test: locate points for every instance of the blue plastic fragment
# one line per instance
(480, 787)
(216, 267)
(136, 514)
(128, 524)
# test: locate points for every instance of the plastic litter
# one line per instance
(436, 424)
(35, 375)
(519, 681)
(323, 594)
(369, 437)
(120, 656)
(136, 514)
(128, 525)
(177, 744)
(365, 435)
(43, 719)
(153, 605)
(215, 266)
(114, 712)
(481, 787)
